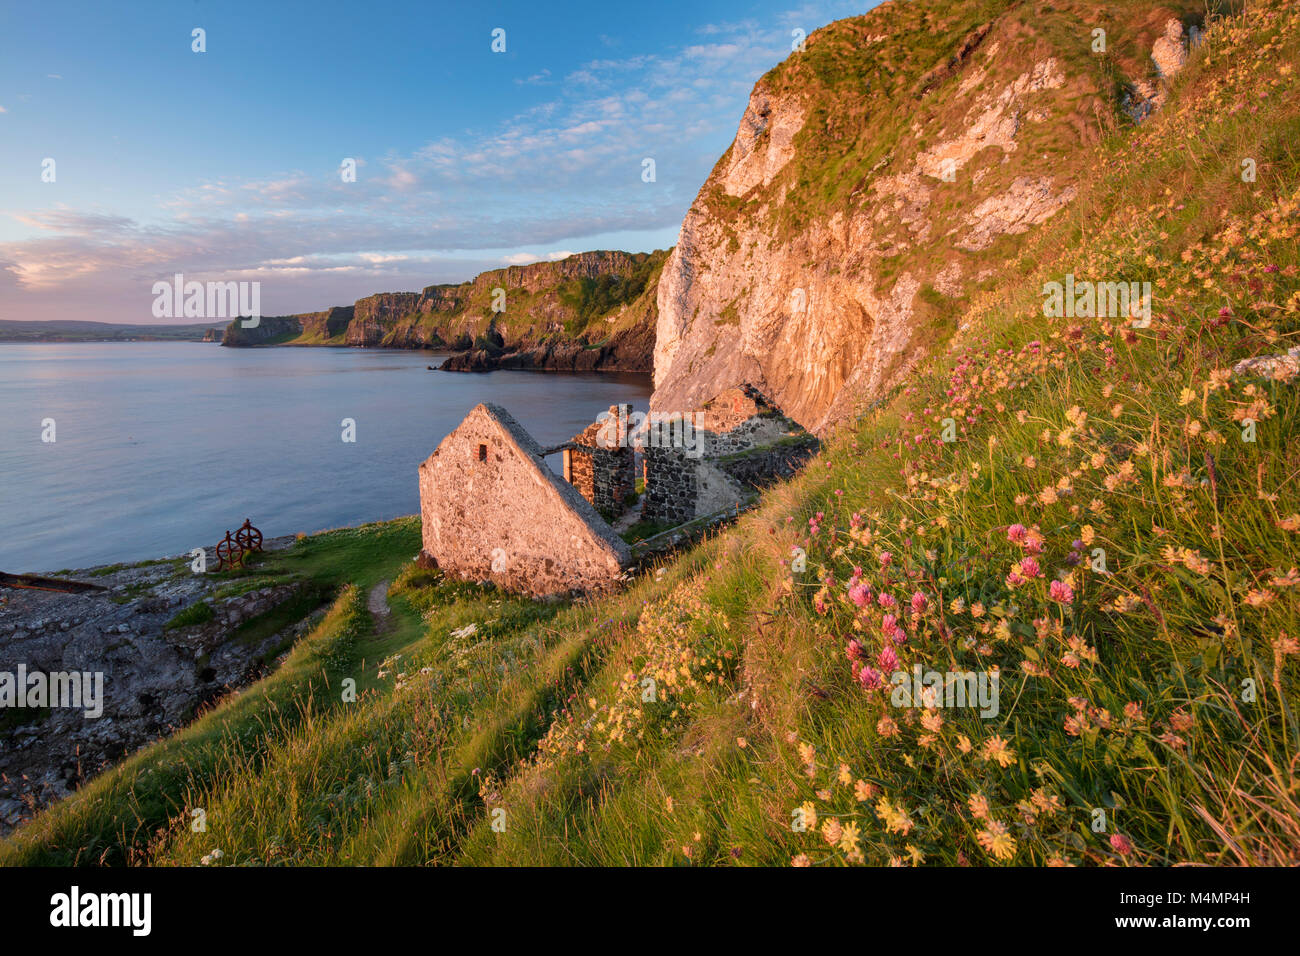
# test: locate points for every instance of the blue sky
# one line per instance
(226, 164)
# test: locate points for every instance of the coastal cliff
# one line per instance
(592, 310)
(878, 178)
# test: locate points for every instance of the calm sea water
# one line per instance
(161, 447)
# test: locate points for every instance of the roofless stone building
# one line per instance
(491, 509)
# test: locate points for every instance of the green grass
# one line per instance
(710, 713)
(199, 612)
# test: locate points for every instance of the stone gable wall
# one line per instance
(491, 510)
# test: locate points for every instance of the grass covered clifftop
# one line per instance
(597, 302)
(1112, 530)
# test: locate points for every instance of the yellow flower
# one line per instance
(996, 749)
(849, 838)
(896, 819)
(997, 840)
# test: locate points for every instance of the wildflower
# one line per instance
(888, 659)
(997, 749)
(801, 860)
(844, 776)
(886, 726)
(809, 813)
(997, 840)
(1044, 802)
(849, 836)
(870, 678)
(832, 830)
(919, 602)
(1061, 592)
(863, 791)
(979, 806)
(896, 818)
(1121, 844)
(1029, 567)
(853, 650)
(1288, 580)
(742, 743)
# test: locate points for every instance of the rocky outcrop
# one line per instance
(1168, 56)
(154, 678)
(324, 326)
(628, 350)
(269, 330)
(871, 183)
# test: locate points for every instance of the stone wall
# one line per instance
(669, 486)
(742, 443)
(603, 475)
(492, 510)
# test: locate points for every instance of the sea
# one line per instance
(125, 451)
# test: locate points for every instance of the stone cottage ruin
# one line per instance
(491, 508)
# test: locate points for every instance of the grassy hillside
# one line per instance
(1113, 529)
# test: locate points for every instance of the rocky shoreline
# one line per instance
(632, 351)
(156, 676)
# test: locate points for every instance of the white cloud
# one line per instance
(551, 176)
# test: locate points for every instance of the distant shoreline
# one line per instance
(65, 331)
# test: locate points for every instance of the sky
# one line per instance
(228, 164)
